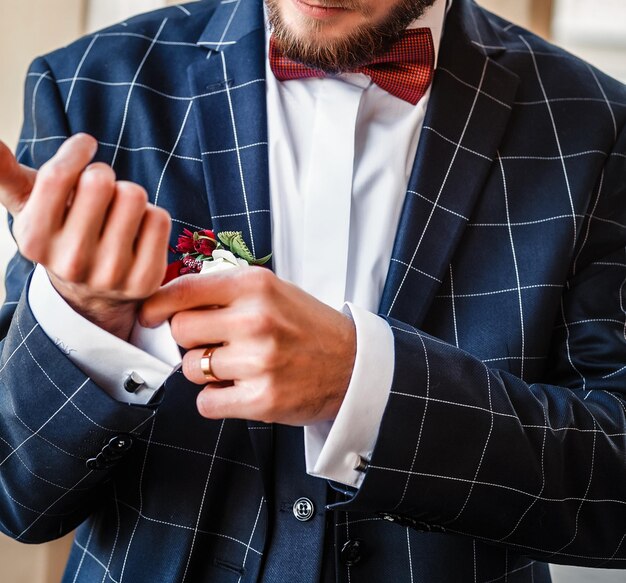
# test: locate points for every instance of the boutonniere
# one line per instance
(205, 251)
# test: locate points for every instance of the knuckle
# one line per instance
(274, 356)
(262, 279)
(160, 214)
(159, 220)
(103, 168)
(256, 363)
(132, 193)
(263, 360)
(259, 322)
(98, 175)
(54, 174)
(271, 357)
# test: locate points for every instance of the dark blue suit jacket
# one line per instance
(503, 444)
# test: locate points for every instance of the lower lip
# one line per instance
(319, 12)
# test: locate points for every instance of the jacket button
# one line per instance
(115, 449)
(110, 453)
(303, 509)
(120, 444)
(352, 552)
(98, 463)
(92, 464)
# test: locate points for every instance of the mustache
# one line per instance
(345, 4)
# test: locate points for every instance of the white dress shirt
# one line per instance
(341, 152)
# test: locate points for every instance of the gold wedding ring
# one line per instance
(205, 365)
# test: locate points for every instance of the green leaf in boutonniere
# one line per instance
(234, 242)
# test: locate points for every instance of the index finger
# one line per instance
(195, 291)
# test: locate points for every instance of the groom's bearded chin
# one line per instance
(341, 54)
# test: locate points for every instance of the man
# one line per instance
(472, 431)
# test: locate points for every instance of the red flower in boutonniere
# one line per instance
(185, 242)
(203, 251)
(202, 242)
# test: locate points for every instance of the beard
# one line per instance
(350, 51)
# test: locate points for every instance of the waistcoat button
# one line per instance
(303, 509)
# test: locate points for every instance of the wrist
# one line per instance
(116, 316)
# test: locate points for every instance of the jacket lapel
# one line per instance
(468, 112)
(231, 121)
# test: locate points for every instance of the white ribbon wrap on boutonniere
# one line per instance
(221, 259)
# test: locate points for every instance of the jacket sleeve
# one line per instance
(61, 436)
(540, 468)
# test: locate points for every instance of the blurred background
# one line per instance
(594, 30)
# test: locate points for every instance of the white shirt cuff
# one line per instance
(152, 354)
(334, 449)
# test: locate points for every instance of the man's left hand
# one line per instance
(285, 356)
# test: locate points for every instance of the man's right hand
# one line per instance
(103, 245)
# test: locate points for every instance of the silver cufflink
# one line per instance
(361, 464)
(133, 383)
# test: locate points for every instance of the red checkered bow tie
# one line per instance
(405, 70)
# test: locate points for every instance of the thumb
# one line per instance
(16, 181)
